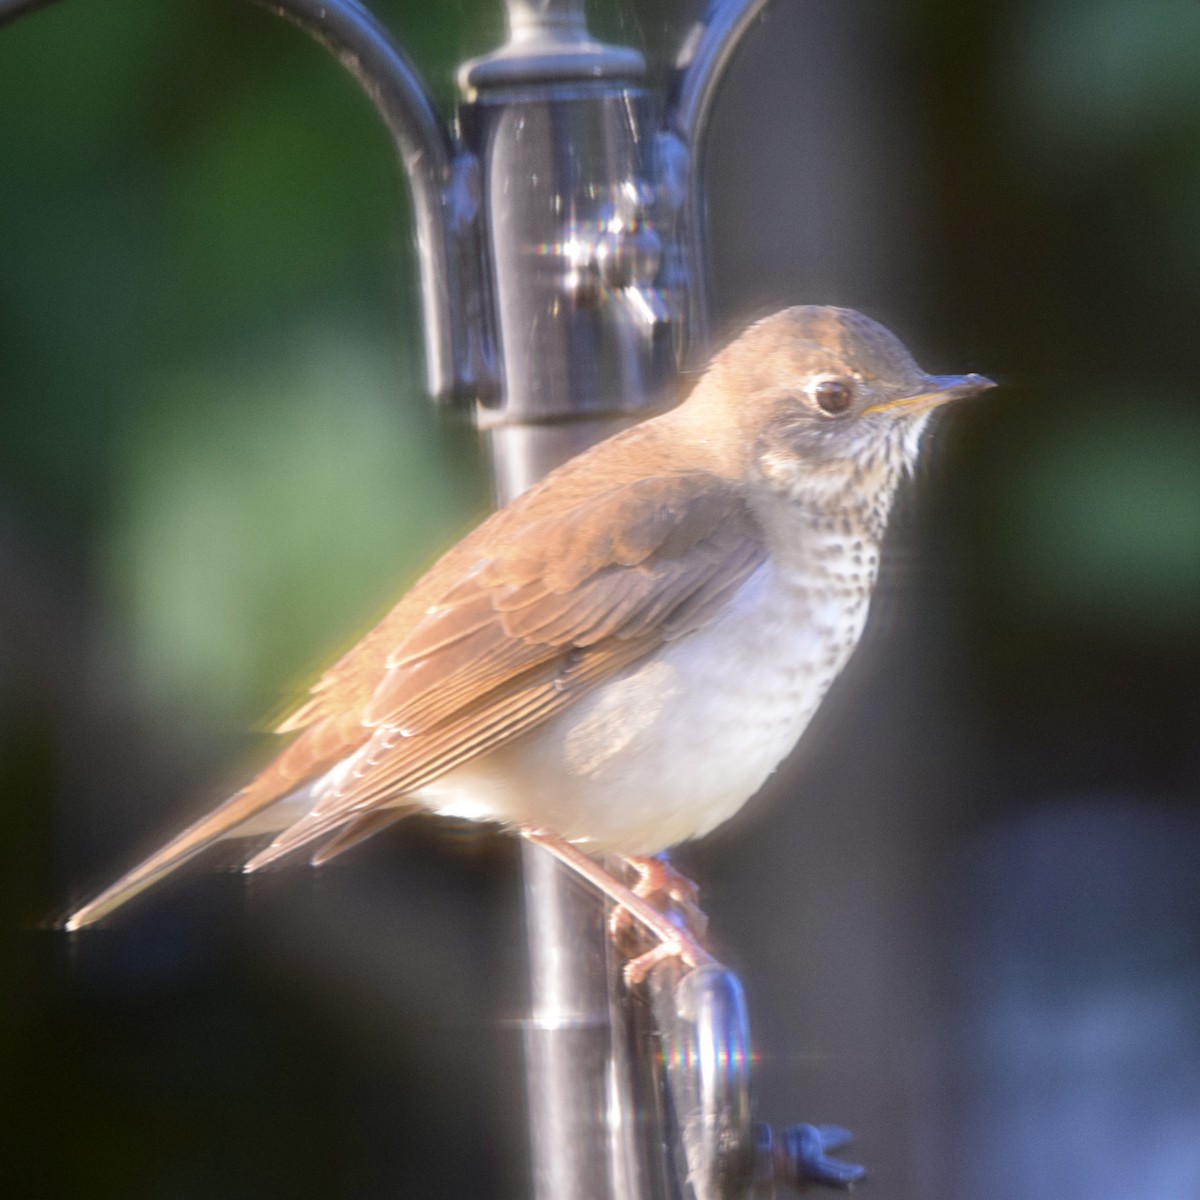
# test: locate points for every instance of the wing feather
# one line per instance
(462, 684)
(393, 766)
(576, 580)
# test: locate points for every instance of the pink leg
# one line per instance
(658, 878)
(673, 940)
(656, 873)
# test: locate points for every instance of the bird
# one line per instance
(616, 661)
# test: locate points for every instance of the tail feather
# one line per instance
(358, 830)
(241, 813)
(267, 804)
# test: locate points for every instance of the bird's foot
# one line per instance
(668, 889)
(673, 895)
(674, 941)
(683, 947)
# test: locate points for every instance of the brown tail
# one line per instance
(237, 810)
(358, 830)
(315, 751)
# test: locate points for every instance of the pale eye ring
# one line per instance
(833, 396)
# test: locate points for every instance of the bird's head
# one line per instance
(818, 395)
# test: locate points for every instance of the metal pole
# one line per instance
(593, 226)
(564, 133)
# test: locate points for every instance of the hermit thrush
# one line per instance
(618, 659)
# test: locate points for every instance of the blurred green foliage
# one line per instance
(1103, 528)
(1102, 77)
(1082, 241)
(269, 502)
(212, 383)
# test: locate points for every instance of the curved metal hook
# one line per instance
(702, 60)
(445, 203)
(700, 67)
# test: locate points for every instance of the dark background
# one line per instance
(967, 912)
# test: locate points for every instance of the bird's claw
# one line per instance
(658, 875)
(668, 889)
(674, 940)
(688, 951)
(676, 897)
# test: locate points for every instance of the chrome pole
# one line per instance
(564, 132)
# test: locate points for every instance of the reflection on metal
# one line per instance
(560, 239)
(568, 1036)
(701, 1016)
(700, 66)
(567, 176)
(548, 42)
(706, 1066)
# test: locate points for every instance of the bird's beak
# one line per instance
(938, 390)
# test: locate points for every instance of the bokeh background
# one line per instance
(967, 913)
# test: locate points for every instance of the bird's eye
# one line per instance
(833, 396)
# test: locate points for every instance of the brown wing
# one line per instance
(580, 576)
(564, 603)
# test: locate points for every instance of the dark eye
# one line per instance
(833, 396)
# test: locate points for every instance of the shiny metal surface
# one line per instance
(568, 1035)
(568, 175)
(705, 1035)
(702, 62)
(645, 1166)
(548, 42)
(700, 67)
(522, 454)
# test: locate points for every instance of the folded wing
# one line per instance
(579, 578)
(563, 605)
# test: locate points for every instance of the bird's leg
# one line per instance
(658, 876)
(673, 941)
(670, 891)
(673, 894)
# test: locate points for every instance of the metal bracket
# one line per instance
(706, 1071)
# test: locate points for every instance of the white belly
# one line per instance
(675, 745)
